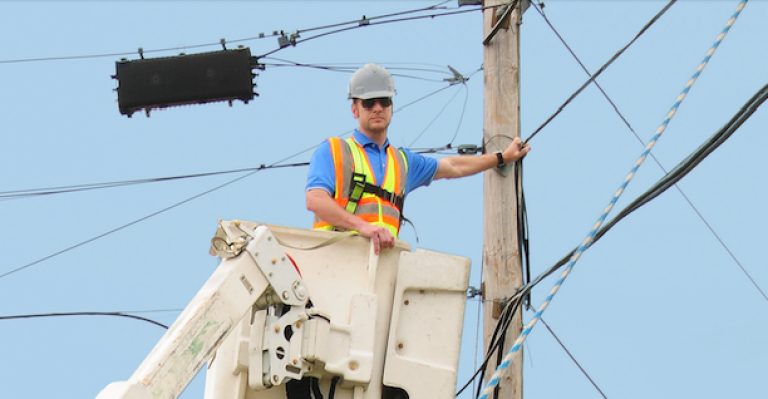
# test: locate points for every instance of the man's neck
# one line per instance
(377, 137)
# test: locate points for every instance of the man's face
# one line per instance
(373, 115)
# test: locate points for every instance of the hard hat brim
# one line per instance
(375, 94)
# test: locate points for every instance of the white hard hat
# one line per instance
(371, 81)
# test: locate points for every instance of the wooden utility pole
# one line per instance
(502, 273)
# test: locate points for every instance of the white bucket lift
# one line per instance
(366, 326)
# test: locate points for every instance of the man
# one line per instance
(360, 183)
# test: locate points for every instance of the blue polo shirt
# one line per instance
(421, 169)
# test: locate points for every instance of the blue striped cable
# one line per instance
(587, 242)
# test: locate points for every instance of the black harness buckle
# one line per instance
(358, 186)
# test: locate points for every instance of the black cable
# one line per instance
(510, 307)
(126, 225)
(523, 247)
(584, 68)
(602, 69)
(505, 320)
(430, 94)
(351, 69)
(361, 24)
(496, 344)
(439, 113)
(461, 115)
(583, 371)
(461, 118)
(690, 163)
(64, 314)
(498, 341)
(642, 143)
(352, 66)
(346, 69)
(489, 352)
(169, 310)
(44, 191)
(314, 384)
(463, 107)
(478, 316)
(141, 219)
(677, 173)
(357, 21)
(219, 43)
(332, 389)
(127, 53)
(33, 192)
(662, 185)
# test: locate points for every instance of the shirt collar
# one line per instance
(364, 141)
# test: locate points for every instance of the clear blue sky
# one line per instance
(657, 309)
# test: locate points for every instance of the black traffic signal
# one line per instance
(151, 83)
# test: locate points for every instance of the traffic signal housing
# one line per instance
(155, 83)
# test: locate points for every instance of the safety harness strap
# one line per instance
(359, 186)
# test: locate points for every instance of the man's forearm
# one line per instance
(462, 166)
(325, 208)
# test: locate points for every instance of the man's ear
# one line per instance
(355, 110)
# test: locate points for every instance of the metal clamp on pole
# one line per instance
(501, 16)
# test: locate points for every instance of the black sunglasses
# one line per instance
(368, 103)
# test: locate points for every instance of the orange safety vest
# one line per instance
(379, 203)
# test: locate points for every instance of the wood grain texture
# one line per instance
(501, 260)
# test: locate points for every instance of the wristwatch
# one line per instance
(500, 160)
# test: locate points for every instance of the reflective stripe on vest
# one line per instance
(349, 158)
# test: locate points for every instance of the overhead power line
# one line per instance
(70, 314)
(653, 156)
(126, 225)
(464, 105)
(584, 68)
(43, 191)
(365, 22)
(48, 191)
(280, 34)
(673, 177)
(435, 118)
(570, 355)
(681, 170)
(439, 114)
(395, 14)
(353, 67)
(601, 69)
(165, 310)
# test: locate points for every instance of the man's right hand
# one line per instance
(380, 236)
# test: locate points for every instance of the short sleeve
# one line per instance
(321, 174)
(421, 170)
